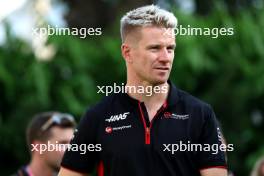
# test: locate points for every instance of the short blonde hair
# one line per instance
(150, 15)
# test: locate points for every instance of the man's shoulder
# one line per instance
(105, 102)
(198, 109)
(105, 105)
(191, 101)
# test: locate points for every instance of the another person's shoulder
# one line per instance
(20, 172)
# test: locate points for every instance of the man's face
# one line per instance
(152, 55)
(58, 136)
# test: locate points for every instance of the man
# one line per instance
(46, 131)
(137, 131)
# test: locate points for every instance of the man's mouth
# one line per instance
(162, 68)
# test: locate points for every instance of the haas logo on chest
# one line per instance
(118, 117)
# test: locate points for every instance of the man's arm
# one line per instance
(67, 172)
(209, 163)
(75, 163)
(213, 172)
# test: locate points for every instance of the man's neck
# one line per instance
(152, 102)
(39, 168)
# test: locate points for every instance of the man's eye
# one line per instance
(170, 49)
(154, 48)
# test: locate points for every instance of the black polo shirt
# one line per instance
(131, 145)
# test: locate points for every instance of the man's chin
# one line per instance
(55, 167)
(159, 81)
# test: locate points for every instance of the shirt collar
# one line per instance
(172, 99)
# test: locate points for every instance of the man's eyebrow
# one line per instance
(150, 46)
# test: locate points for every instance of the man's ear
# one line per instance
(126, 52)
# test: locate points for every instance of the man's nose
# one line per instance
(164, 55)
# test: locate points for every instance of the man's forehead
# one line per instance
(157, 35)
(151, 35)
(155, 28)
(57, 131)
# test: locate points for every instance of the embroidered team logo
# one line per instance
(175, 116)
(118, 117)
(108, 130)
(167, 115)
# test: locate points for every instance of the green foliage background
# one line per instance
(227, 72)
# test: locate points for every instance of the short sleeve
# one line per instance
(79, 158)
(212, 155)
